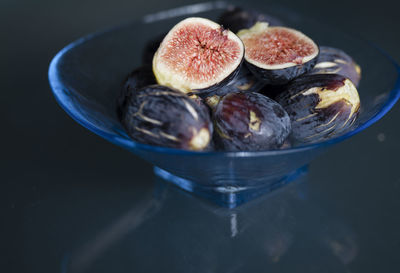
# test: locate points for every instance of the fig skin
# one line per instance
(247, 121)
(320, 106)
(281, 76)
(159, 115)
(272, 91)
(212, 101)
(236, 18)
(278, 73)
(229, 80)
(200, 102)
(137, 79)
(336, 61)
(244, 81)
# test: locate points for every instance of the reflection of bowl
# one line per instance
(86, 76)
(187, 235)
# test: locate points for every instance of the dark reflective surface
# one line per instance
(64, 190)
(170, 229)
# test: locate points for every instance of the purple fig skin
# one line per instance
(320, 106)
(138, 78)
(225, 82)
(335, 61)
(272, 91)
(162, 116)
(212, 101)
(200, 102)
(244, 81)
(247, 121)
(281, 76)
(236, 18)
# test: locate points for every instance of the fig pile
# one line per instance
(246, 83)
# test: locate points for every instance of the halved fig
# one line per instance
(159, 115)
(247, 121)
(138, 78)
(320, 106)
(278, 54)
(198, 54)
(335, 61)
(236, 18)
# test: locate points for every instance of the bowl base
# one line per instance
(230, 196)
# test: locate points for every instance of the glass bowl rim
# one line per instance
(57, 88)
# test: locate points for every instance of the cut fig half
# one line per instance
(277, 55)
(198, 54)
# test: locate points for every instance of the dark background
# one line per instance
(59, 181)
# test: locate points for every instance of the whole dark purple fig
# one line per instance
(247, 121)
(197, 54)
(335, 61)
(138, 78)
(200, 102)
(236, 18)
(320, 106)
(277, 55)
(159, 115)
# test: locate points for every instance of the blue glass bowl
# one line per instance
(86, 77)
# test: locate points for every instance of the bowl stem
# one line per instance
(231, 196)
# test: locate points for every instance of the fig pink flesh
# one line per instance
(277, 46)
(200, 53)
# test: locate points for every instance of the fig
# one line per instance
(198, 55)
(247, 121)
(159, 115)
(271, 91)
(236, 18)
(244, 81)
(277, 55)
(320, 106)
(335, 61)
(212, 101)
(137, 79)
(150, 49)
(200, 102)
